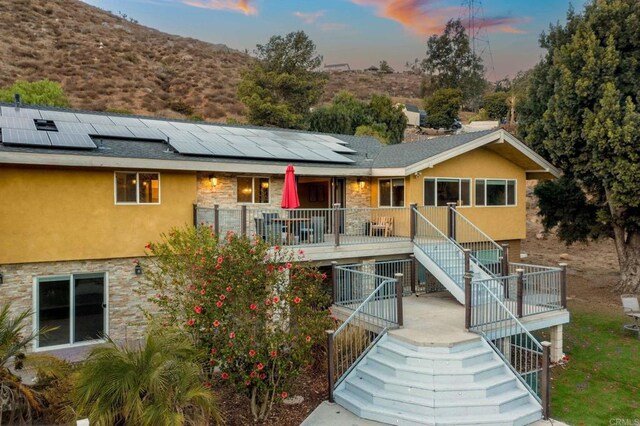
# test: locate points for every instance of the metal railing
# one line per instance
(485, 252)
(440, 248)
(380, 311)
(538, 288)
(488, 316)
(310, 227)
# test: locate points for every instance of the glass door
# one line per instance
(72, 308)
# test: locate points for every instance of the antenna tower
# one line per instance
(472, 17)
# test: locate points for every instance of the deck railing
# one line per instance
(487, 315)
(373, 314)
(538, 289)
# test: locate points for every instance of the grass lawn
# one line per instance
(601, 382)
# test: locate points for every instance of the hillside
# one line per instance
(106, 62)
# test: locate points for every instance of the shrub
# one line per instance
(495, 104)
(256, 310)
(442, 107)
(42, 92)
(159, 383)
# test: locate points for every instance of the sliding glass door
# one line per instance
(72, 308)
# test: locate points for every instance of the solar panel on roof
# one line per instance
(17, 123)
(70, 140)
(264, 133)
(238, 131)
(308, 154)
(59, 116)
(332, 156)
(157, 124)
(283, 153)
(189, 147)
(94, 119)
(336, 147)
(20, 112)
(147, 133)
(128, 121)
(214, 129)
(264, 142)
(332, 139)
(181, 135)
(188, 127)
(25, 137)
(76, 128)
(222, 149)
(112, 130)
(210, 137)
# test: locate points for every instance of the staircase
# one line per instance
(464, 383)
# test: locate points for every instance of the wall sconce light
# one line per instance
(361, 183)
(417, 175)
(265, 185)
(1, 278)
(213, 180)
(138, 268)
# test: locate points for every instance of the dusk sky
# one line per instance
(357, 32)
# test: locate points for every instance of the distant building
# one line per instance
(372, 68)
(415, 116)
(337, 67)
(478, 126)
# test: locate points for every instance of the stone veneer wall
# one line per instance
(126, 320)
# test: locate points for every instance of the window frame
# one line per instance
(506, 192)
(404, 195)
(137, 202)
(435, 188)
(71, 277)
(253, 190)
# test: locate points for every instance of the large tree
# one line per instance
(451, 64)
(582, 114)
(283, 84)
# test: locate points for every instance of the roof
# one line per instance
(411, 108)
(370, 157)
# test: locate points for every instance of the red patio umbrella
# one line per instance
(290, 193)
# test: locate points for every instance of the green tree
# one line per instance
(495, 105)
(385, 67)
(450, 63)
(159, 383)
(582, 114)
(442, 107)
(375, 130)
(346, 114)
(41, 92)
(279, 89)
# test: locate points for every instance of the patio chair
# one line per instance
(314, 231)
(632, 310)
(381, 223)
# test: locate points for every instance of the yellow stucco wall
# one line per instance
(65, 214)
(500, 223)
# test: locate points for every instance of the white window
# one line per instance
(495, 192)
(391, 192)
(440, 191)
(253, 190)
(137, 188)
(72, 307)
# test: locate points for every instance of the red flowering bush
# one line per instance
(256, 309)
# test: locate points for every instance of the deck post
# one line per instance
(545, 381)
(243, 220)
(330, 370)
(451, 227)
(467, 301)
(412, 220)
(195, 215)
(399, 290)
(216, 219)
(336, 223)
(414, 273)
(467, 261)
(334, 281)
(563, 285)
(505, 268)
(520, 292)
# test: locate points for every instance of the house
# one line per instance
(83, 193)
(415, 116)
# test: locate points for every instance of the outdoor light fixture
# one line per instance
(265, 185)
(361, 183)
(138, 268)
(214, 181)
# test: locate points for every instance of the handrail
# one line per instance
(352, 340)
(484, 250)
(509, 338)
